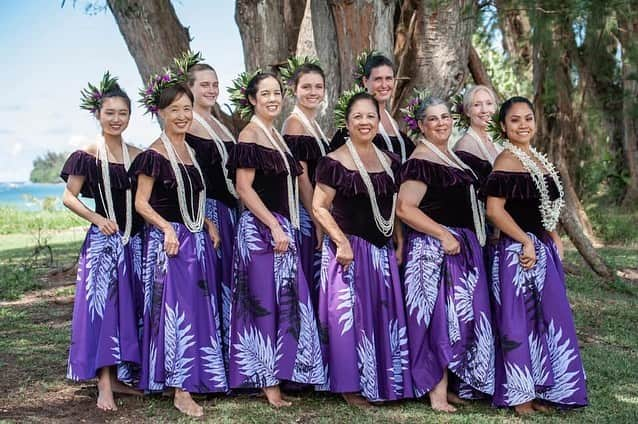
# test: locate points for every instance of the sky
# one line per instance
(49, 53)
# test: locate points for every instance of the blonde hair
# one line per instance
(469, 96)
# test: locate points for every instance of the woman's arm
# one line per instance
(321, 203)
(70, 200)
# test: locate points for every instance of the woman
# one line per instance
(308, 144)
(182, 340)
(274, 335)
(360, 302)
(104, 332)
(537, 358)
(445, 288)
(376, 75)
(476, 148)
(212, 142)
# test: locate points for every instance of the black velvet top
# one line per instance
(351, 207)
(481, 167)
(210, 162)
(270, 181)
(339, 139)
(522, 197)
(86, 165)
(305, 148)
(447, 198)
(164, 195)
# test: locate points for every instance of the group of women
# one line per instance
(362, 266)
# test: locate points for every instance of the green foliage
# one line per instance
(46, 168)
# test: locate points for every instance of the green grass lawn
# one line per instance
(34, 337)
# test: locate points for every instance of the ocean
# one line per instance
(31, 196)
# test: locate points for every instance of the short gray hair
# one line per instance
(468, 97)
(429, 101)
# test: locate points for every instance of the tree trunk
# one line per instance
(628, 31)
(434, 46)
(479, 73)
(556, 130)
(516, 29)
(152, 32)
(268, 30)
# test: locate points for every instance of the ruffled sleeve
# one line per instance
(78, 163)
(339, 139)
(515, 186)
(149, 163)
(304, 147)
(255, 156)
(349, 183)
(86, 165)
(481, 166)
(434, 174)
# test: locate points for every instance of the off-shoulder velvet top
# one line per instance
(447, 198)
(305, 148)
(210, 162)
(270, 181)
(86, 165)
(522, 197)
(339, 139)
(481, 167)
(164, 195)
(351, 205)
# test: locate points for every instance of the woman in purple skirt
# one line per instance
(375, 73)
(445, 284)
(212, 142)
(308, 144)
(104, 330)
(274, 335)
(361, 308)
(182, 346)
(537, 358)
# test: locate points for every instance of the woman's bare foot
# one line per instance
(186, 405)
(455, 400)
(273, 394)
(355, 399)
(439, 397)
(540, 407)
(105, 400)
(524, 409)
(118, 387)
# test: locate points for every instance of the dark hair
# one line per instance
(115, 91)
(361, 96)
(196, 68)
(507, 105)
(253, 84)
(376, 61)
(306, 68)
(172, 93)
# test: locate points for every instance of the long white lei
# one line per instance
(102, 158)
(221, 148)
(386, 137)
(478, 214)
(481, 145)
(385, 226)
(313, 128)
(193, 223)
(549, 209)
(293, 185)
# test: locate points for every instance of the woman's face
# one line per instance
(267, 101)
(363, 120)
(436, 125)
(177, 116)
(481, 109)
(205, 88)
(114, 116)
(520, 123)
(381, 83)
(310, 90)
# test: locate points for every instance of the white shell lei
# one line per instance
(481, 145)
(385, 226)
(293, 185)
(386, 137)
(107, 196)
(549, 209)
(478, 214)
(313, 128)
(193, 223)
(221, 148)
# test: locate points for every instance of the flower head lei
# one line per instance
(237, 93)
(185, 61)
(92, 96)
(412, 111)
(495, 131)
(457, 110)
(360, 65)
(156, 84)
(342, 105)
(289, 71)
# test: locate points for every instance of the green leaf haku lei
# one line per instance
(237, 93)
(92, 96)
(360, 64)
(288, 71)
(342, 104)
